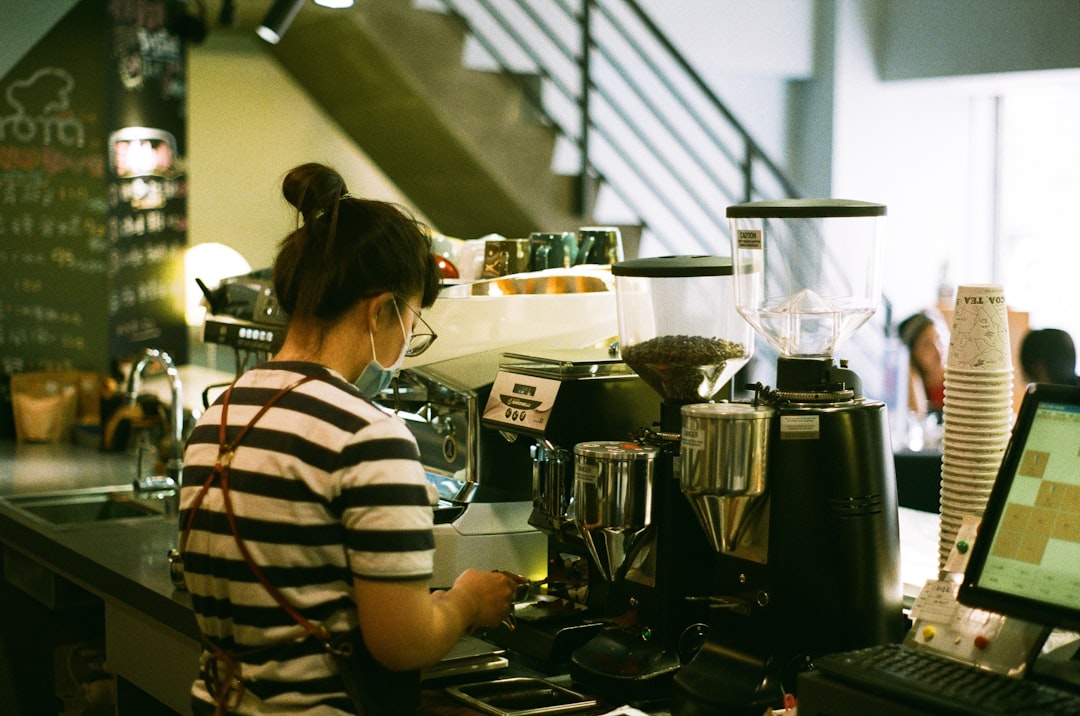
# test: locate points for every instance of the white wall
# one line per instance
(249, 123)
(746, 52)
(907, 147)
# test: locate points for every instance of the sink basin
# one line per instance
(88, 505)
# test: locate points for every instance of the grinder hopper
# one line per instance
(678, 327)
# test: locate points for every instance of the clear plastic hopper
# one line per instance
(678, 327)
(808, 271)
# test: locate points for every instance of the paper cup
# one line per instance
(980, 374)
(976, 416)
(971, 464)
(962, 493)
(988, 403)
(960, 448)
(967, 487)
(969, 475)
(979, 337)
(979, 378)
(984, 467)
(965, 492)
(975, 430)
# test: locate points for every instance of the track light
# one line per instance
(277, 20)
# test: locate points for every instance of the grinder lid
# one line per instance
(804, 209)
(674, 267)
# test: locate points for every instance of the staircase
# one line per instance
(463, 145)
(590, 83)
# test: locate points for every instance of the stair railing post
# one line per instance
(585, 188)
(748, 170)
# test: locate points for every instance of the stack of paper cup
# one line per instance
(978, 407)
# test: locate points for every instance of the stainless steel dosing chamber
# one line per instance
(723, 451)
(613, 492)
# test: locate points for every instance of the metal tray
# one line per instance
(469, 656)
(544, 608)
(521, 696)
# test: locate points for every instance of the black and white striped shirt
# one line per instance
(324, 486)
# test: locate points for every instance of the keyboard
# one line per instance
(943, 686)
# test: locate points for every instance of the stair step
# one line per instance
(462, 144)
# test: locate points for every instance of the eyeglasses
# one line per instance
(419, 342)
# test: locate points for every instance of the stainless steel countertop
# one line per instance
(45, 467)
(121, 559)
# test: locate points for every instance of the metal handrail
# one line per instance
(642, 153)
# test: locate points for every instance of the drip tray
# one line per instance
(521, 696)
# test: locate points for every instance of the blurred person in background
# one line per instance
(1048, 355)
(927, 339)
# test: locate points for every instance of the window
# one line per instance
(1039, 203)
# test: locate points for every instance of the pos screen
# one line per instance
(1025, 562)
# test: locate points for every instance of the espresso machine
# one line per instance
(796, 487)
(482, 479)
(645, 550)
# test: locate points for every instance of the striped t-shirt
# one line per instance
(324, 486)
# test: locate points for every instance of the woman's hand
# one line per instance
(493, 593)
(407, 626)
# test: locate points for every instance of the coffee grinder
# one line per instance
(679, 331)
(546, 402)
(796, 488)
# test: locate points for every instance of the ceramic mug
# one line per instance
(599, 245)
(553, 249)
(503, 257)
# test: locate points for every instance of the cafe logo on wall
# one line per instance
(41, 113)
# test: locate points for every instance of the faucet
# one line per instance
(175, 466)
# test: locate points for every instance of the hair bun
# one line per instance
(313, 188)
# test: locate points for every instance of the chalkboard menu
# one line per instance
(92, 191)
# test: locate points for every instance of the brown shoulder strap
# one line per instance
(220, 474)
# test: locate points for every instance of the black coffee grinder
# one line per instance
(679, 331)
(797, 488)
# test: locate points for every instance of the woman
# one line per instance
(927, 341)
(295, 482)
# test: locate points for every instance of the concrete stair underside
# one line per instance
(462, 144)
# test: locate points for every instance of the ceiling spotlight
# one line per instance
(336, 4)
(277, 20)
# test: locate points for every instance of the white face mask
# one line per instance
(374, 378)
